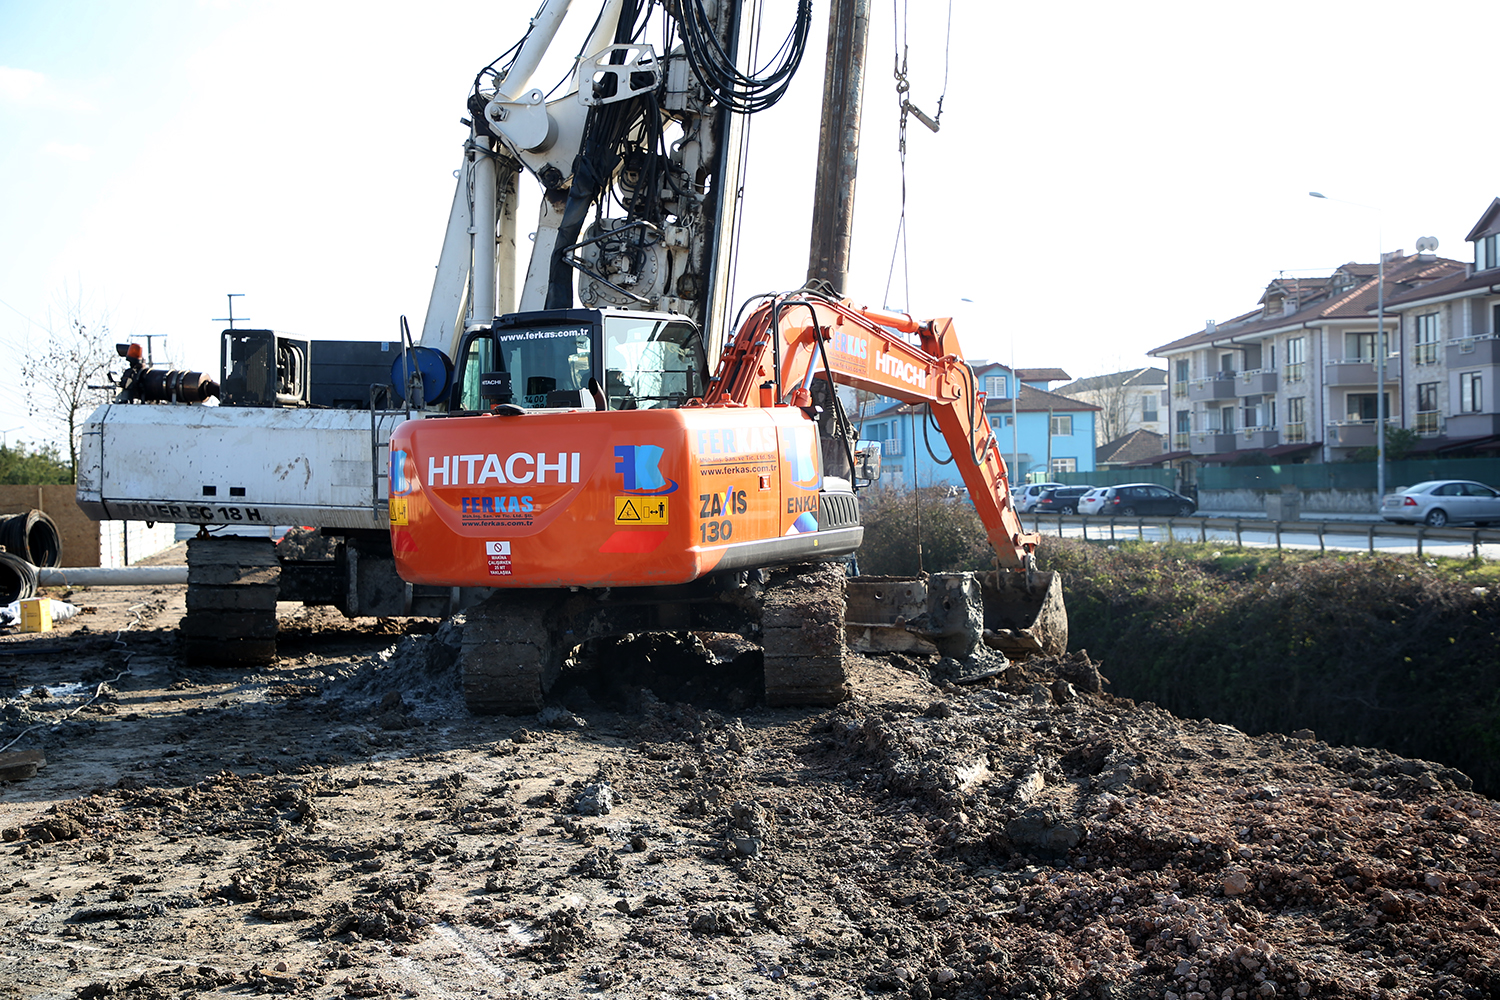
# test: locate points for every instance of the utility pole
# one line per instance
(838, 142)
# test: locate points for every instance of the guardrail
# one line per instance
(1200, 526)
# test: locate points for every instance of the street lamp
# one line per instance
(1380, 348)
(4, 439)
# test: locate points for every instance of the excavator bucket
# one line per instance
(950, 614)
(1023, 618)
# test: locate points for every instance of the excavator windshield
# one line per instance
(643, 361)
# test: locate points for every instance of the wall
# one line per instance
(1315, 503)
(85, 542)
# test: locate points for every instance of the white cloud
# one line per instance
(20, 86)
(29, 89)
(68, 151)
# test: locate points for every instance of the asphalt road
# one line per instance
(1342, 535)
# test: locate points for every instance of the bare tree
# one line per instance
(1113, 396)
(70, 376)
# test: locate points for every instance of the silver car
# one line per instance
(1443, 501)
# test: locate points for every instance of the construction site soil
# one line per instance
(338, 825)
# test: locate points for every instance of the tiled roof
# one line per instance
(1041, 374)
(1488, 223)
(1458, 281)
(1135, 376)
(1133, 447)
(1034, 400)
(1353, 303)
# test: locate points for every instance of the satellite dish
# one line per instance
(1427, 243)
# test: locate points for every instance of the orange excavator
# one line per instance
(594, 473)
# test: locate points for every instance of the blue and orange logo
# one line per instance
(401, 484)
(799, 450)
(640, 466)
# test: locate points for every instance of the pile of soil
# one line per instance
(339, 826)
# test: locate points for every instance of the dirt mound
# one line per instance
(339, 826)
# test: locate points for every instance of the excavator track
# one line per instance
(233, 586)
(802, 633)
(509, 658)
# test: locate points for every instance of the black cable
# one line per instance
(715, 69)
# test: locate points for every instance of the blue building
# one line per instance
(1050, 433)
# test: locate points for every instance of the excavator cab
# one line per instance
(581, 358)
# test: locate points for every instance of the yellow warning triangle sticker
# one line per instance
(628, 513)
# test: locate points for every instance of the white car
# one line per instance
(1028, 495)
(1090, 502)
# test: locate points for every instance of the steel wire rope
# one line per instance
(899, 246)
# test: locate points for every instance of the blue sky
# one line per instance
(1108, 176)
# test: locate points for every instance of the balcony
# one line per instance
(1294, 433)
(1465, 425)
(1180, 441)
(1344, 373)
(1220, 385)
(1256, 383)
(1212, 442)
(1470, 351)
(1351, 434)
(890, 448)
(1179, 390)
(1427, 424)
(1255, 438)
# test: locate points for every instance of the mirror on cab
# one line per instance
(867, 462)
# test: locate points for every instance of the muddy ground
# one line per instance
(339, 826)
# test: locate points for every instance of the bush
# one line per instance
(1364, 650)
(951, 535)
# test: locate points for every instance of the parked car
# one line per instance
(1443, 501)
(1060, 500)
(1136, 499)
(1028, 495)
(1090, 501)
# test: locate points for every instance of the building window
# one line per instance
(1495, 319)
(1252, 412)
(1184, 370)
(1470, 389)
(1427, 404)
(995, 386)
(1148, 408)
(1295, 346)
(1226, 419)
(1484, 253)
(1427, 339)
(1295, 431)
(1062, 425)
(1184, 428)
(1359, 346)
(1359, 407)
(1063, 465)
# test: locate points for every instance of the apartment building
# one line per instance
(1296, 379)
(1450, 351)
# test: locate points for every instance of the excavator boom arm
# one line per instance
(788, 341)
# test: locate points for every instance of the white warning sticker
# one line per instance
(497, 554)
